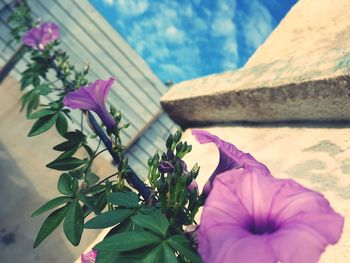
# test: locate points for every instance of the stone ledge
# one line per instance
(301, 72)
(314, 100)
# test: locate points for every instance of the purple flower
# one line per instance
(166, 167)
(193, 186)
(93, 97)
(230, 157)
(89, 257)
(250, 216)
(40, 37)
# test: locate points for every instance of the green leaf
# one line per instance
(89, 205)
(51, 204)
(61, 124)
(92, 178)
(41, 113)
(168, 254)
(126, 199)
(64, 185)
(26, 81)
(107, 257)
(50, 224)
(155, 255)
(67, 154)
(89, 150)
(75, 136)
(36, 81)
(109, 218)
(125, 226)
(26, 97)
(66, 146)
(44, 89)
(65, 164)
(183, 246)
(156, 222)
(127, 241)
(113, 257)
(73, 224)
(42, 125)
(77, 173)
(33, 103)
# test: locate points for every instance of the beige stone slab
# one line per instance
(301, 72)
(317, 157)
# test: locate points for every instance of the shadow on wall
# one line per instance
(18, 230)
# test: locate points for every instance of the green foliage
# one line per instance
(41, 113)
(152, 243)
(65, 164)
(182, 245)
(67, 185)
(124, 199)
(52, 204)
(61, 123)
(171, 184)
(30, 100)
(42, 125)
(51, 223)
(76, 136)
(156, 222)
(21, 20)
(109, 218)
(128, 241)
(91, 178)
(73, 225)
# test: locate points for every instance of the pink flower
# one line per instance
(40, 37)
(250, 216)
(93, 97)
(230, 157)
(89, 257)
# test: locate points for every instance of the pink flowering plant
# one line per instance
(248, 215)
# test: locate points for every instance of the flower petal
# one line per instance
(41, 36)
(230, 156)
(49, 32)
(89, 257)
(101, 89)
(31, 37)
(80, 99)
(244, 202)
(247, 250)
(93, 97)
(237, 247)
(297, 243)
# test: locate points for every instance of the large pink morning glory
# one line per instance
(249, 217)
(39, 37)
(93, 97)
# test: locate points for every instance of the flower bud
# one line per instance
(166, 167)
(193, 186)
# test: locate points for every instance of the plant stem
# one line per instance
(131, 177)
